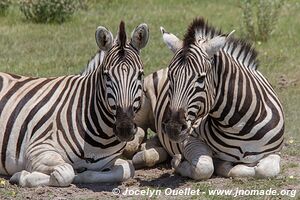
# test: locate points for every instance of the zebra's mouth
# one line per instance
(177, 132)
(125, 131)
(124, 127)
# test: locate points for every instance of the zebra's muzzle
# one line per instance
(125, 131)
(125, 128)
(174, 125)
(177, 132)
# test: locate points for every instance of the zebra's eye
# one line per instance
(200, 81)
(201, 78)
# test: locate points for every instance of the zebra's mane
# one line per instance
(239, 49)
(93, 63)
(122, 38)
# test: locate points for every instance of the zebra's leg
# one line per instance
(120, 171)
(269, 166)
(198, 163)
(152, 153)
(133, 146)
(47, 169)
(228, 169)
(266, 167)
(27, 179)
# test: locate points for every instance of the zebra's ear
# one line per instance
(140, 36)
(172, 42)
(104, 38)
(213, 45)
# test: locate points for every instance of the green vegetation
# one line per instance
(44, 11)
(4, 4)
(46, 50)
(260, 17)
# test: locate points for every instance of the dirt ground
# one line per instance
(160, 178)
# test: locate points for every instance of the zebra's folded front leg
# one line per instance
(133, 146)
(48, 169)
(266, 167)
(27, 179)
(120, 171)
(152, 153)
(269, 166)
(150, 157)
(228, 169)
(202, 170)
(198, 163)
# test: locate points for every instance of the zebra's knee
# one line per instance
(133, 146)
(203, 169)
(268, 167)
(62, 175)
(150, 157)
(176, 160)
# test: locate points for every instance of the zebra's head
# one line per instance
(122, 76)
(191, 78)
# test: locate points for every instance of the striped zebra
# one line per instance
(212, 102)
(74, 128)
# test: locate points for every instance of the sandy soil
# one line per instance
(160, 177)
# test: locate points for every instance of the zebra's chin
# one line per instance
(180, 138)
(176, 131)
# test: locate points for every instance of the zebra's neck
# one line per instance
(96, 113)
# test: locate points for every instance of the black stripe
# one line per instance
(1, 83)
(30, 116)
(155, 83)
(276, 148)
(69, 118)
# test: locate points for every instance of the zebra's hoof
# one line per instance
(18, 178)
(176, 160)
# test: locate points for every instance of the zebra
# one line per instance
(213, 110)
(55, 131)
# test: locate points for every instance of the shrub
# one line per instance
(259, 18)
(4, 4)
(43, 11)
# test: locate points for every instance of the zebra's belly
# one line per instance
(239, 159)
(246, 152)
